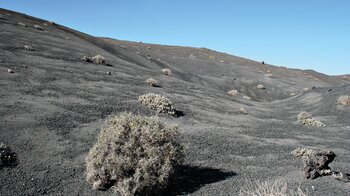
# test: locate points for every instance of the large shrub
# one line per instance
(134, 154)
(158, 102)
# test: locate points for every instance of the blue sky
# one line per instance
(305, 34)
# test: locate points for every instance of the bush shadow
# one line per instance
(187, 179)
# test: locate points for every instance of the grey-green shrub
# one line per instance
(306, 119)
(152, 82)
(134, 154)
(158, 102)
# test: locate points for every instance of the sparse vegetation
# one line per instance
(247, 97)
(38, 27)
(344, 100)
(269, 75)
(306, 119)
(166, 72)
(152, 82)
(260, 87)
(99, 59)
(96, 59)
(27, 47)
(2, 17)
(134, 154)
(158, 102)
(21, 24)
(233, 92)
(268, 188)
(302, 152)
(86, 58)
(10, 71)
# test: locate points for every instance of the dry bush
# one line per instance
(158, 102)
(247, 97)
(268, 188)
(152, 82)
(302, 152)
(134, 154)
(269, 75)
(38, 27)
(260, 87)
(21, 24)
(344, 100)
(306, 119)
(233, 92)
(27, 47)
(86, 58)
(166, 72)
(98, 59)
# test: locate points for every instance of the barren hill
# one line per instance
(52, 104)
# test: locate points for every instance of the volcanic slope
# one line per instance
(52, 105)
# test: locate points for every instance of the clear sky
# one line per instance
(306, 34)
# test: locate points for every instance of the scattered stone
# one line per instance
(38, 27)
(316, 164)
(10, 71)
(260, 87)
(27, 47)
(329, 90)
(7, 157)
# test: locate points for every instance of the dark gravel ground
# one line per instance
(53, 104)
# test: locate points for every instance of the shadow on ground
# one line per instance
(188, 179)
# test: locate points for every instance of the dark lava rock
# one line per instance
(316, 165)
(7, 157)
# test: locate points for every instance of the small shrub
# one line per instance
(10, 71)
(247, 97)
(86, 58)
(152, 82)
(158, 102)
(98, 59)
(344, 100)
(27, 47)
(306, 119)
(21, 24)
(269, 75)
(166, 72)
(268, 188)
(302, 152)
(233, 92)
(260, 87)
(38, 27)
(134, 154)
